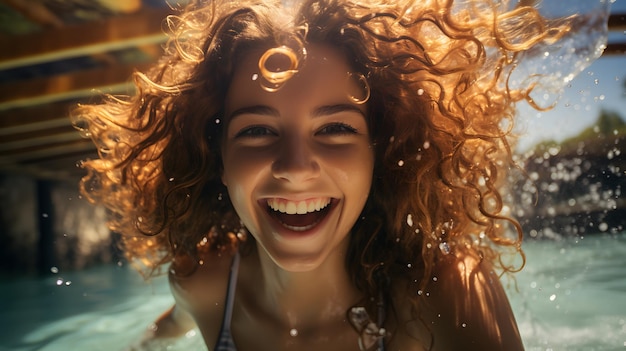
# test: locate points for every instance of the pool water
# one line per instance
(570, 296)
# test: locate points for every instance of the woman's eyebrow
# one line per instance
(324, 110)
(338, 108)
(254, 110)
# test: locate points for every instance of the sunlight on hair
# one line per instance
(274, 74)
(362, 86)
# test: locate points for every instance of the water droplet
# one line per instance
(401, 163)
(426, 145)
(59, 282)
(217, 121)
(464, 325)
(255, 76)
(554, 150)
(44, 215)
(409, 220)
(445, 248)
(54, 270)
(552, 297)
(293, 332)
(482, 181)
(420, 92)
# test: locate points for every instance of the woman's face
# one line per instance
(298, 162)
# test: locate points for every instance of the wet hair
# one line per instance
(440, 115)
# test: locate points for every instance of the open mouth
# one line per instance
(299, 216)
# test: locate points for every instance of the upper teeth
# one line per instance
(297, 207)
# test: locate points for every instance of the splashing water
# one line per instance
(554, 65)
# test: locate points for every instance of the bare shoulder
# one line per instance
(466, 300)
(463, 307)
(200, 295)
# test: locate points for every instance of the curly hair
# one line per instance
(440, 113)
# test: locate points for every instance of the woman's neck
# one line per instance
(304, 300)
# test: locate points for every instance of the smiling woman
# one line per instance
(304, 145)
(325, 175)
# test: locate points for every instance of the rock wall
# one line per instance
(46, 225)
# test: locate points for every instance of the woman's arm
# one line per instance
(166, 331)
(198, 304)
(174, 322)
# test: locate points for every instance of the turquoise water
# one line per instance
(570, 296)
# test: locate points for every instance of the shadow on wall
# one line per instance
(47, 226)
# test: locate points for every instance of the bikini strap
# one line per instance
(230, 293)
(225, 340)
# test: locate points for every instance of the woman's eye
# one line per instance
(254, 132)
(337, 129)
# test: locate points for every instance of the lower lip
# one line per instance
(286, 232)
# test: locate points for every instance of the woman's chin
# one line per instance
(297, 262)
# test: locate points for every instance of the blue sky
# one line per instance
(599, 86)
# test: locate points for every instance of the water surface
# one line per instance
(570, 296)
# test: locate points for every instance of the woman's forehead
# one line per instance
(316, 58)
(324, 71)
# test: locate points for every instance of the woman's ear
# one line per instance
(221, 171)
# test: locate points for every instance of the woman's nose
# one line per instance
(296, 161)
